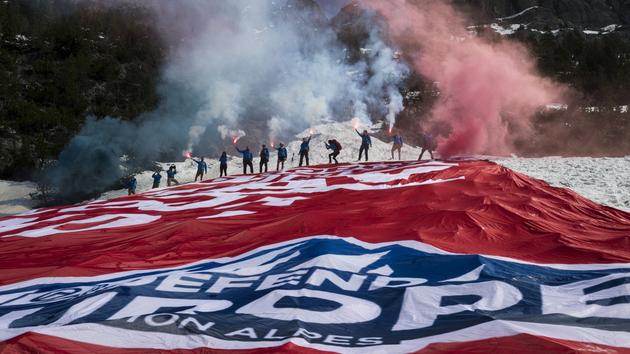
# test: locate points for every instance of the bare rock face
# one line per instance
(554, 13)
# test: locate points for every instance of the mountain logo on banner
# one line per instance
(327, 291)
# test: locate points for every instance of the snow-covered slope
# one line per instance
(604, 180)
(15, 198)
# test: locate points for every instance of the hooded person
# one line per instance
(157, 177)
(397, 145)
(304, 148)
(282, 156)
(335, 146)
(428, 144)
(223, 164)
(170, 176)
(202, 167)
(264, 158)
(366, 143)
(247, 159)
(132, 183)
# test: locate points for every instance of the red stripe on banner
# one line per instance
(491, 211)
(44, 344)
(522, 344)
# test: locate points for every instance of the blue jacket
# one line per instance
(223, 160)
(170, 173)
(201, 166)
(132, 183)
(282, 152)
(156, 177)
(398, 140)
(304, 146)
(264, 154)
(365, 139)
(247, 155)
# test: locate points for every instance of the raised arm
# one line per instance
(358, 133)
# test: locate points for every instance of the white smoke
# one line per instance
(233, 134)
(235, 67)
(254, 67)
(221, 105)
(388, 72)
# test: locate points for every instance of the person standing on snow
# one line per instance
(157, 177)
(131, 185)
(282, 156)
(223, 164)
(428, 144)
(170, 176)
(264, 158)
(247, 159)
(335, 147)
(398, 143)
(202, 168)
(366, 143)
(304, 149)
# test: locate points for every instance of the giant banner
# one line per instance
(462, 256)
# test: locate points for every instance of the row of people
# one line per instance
(428, 144)
(132, 183)
(248, 158)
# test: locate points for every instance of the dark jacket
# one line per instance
(282, 152)
(304, 146)
(365, 139)
(332, 147)
(264, 154)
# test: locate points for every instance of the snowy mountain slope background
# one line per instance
(604, 180)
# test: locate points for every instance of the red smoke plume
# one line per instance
(484, 86)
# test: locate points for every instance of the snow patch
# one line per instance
(15, 197)
(557, 107)
(610, 28)
(505, 31)
(511, 17)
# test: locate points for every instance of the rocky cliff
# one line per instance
(553, 14)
